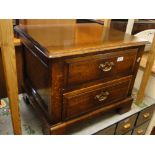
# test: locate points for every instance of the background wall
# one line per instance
(150, 90)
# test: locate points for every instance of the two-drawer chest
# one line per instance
(76, 72)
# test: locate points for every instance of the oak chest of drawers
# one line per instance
(76, 72)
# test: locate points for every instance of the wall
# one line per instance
(150, 89)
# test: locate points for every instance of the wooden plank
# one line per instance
(107, 22)
(9, 64)
(129, 27)
(106, 27)
(144, 62)
(146, 75)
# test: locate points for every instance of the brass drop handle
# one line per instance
(146, 115)
(106, 67)
(140, 131)
(102, 96)
(127, 126)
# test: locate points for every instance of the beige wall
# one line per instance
(150, 89)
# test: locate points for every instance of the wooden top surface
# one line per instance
(60, 40)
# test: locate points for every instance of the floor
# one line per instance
(30, 124)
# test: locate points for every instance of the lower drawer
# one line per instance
(125, 125)
(85, 100)
(141, 129)
(107, 131)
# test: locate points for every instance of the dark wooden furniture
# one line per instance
(139, 25)
(121, 24)
(108, 131)
(136, 124)
(75, 72)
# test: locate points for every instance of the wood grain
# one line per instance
(80, 70)
(75, 39)
(9, 63)
(85, 100)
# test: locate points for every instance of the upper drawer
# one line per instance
(140, 130)
(145, 115)
(99, 67)
(84, 100)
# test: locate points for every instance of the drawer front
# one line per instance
(107, 131)
(141, 129)
(99, 67)
(145, 115)
(84, 100)
(126, 125)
